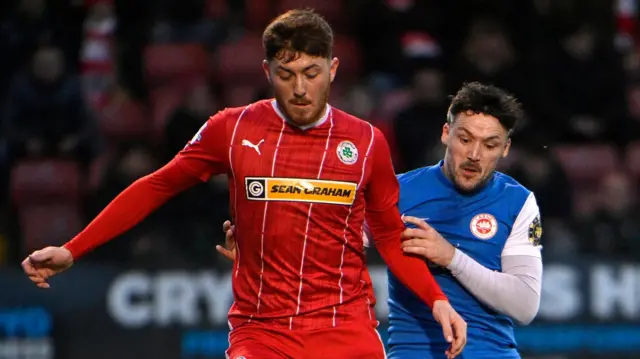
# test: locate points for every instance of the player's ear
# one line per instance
(267, 71)
(505, 152)
(334, 67)
(446, 130)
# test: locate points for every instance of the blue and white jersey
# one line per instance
(499, 220)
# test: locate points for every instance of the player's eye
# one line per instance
(285, 76)
(491, 146)
(464, 140)
(312, 75)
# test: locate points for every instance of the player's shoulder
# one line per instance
(235, 113)
(359, 131)
(513, 193)
(510, 185)
(348, 120)
(421, 174)
(346, 117)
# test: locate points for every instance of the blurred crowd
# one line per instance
(96, 93)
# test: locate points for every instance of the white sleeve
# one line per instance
(524, 239)
(515, 291)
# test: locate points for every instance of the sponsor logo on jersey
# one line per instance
(256, 146)
(484, 226)
(535, 231)
(347, 152)
(300, 190)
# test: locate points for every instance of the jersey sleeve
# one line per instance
(207, 153)
(524, 239)
(386, 226)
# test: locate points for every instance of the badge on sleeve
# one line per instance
(535, 231)
(198, 136)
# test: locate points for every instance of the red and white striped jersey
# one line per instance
(298, 202)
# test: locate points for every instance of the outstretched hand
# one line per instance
(45, 263)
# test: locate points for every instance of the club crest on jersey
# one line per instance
(347, 152)
(535, 231)
(484, 226)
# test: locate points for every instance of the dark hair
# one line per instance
(295, 32)
(489, 100)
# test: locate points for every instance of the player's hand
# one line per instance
(45, 263)
(229, 250)
(454, 327)
(426, 242)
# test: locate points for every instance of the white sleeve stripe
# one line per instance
(518, 242)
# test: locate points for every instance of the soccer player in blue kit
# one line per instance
(479, 230)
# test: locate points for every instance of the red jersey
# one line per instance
(298, 198)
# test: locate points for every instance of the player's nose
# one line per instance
(299, 88)
(474, 153)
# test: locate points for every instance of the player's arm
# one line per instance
(385, 226)
(515, 291)
(205, 155)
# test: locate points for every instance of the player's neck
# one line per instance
(316, 123)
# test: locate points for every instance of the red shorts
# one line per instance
(353, 340)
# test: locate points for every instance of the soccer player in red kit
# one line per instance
(301, 174)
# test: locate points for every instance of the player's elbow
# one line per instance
(526, 313)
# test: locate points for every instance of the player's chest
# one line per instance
(285, 165)
(482, 229)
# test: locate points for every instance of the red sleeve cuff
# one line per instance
(411, 271)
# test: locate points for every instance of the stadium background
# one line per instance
(96, 93)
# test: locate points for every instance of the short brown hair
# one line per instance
(489, 100)
(295, 32)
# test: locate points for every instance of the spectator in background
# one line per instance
(614, 228)
(536, 169)
(46, 114)
(198, 106)
(361, 101)
(20, 34)
(195, 213)
(129, 163)
(97, 57)
(417, 127)
(583, 92)
(184, 21)
(489, 57)
(396, 24)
